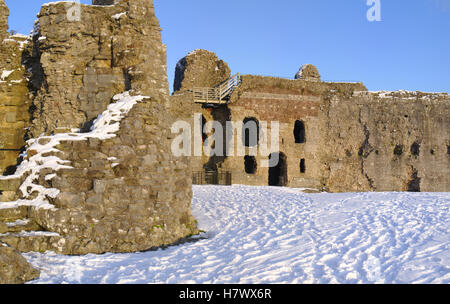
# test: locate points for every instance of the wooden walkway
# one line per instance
(217, 95)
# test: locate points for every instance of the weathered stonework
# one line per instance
(93, 59)
(81, 192)
(354, 140)
(14, 99)
(98, 174)
(200, 68)
(4, 14)
(308, 72)
(123, 194)
(14, 269)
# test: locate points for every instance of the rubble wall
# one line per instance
(14, 96)
(77, 191)
(110, 49)
(355, 140)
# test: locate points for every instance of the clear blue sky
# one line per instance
(409, 49)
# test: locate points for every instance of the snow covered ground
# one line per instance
(279, 235)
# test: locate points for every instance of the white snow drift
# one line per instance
(276, 235)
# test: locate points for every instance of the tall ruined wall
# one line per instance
(115, 187)
(199, 68)
(4, 14)
(14, 97)
(402, 142)
(269, 99)
(354, 140)
(84, 63)
(123, 194)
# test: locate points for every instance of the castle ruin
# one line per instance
(97, 175)
(335, 137)
(86, 115)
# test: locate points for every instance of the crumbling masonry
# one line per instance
(335, 137)
(85, 134)
(88, 183)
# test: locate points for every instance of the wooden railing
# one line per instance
(218, 95)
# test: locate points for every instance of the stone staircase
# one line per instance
(17, 229)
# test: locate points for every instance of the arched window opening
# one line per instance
(250, 164)
(250, 132)
(299, 132)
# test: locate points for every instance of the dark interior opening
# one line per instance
(414, 183)
(299, 132)
(250, 132)
(398, 150)
(415, 149)
(127, 79)
(278, 173)
(10, 170)
(448, 150)
(250, 164)
(302, 165)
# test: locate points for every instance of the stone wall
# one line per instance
(355, 140)
(14, 99)
(402, 142)
(123, 194)
(200, 68)
(104, 2)
(4, 14)
(14, 102)
(93, 59)
(285, 101)
(80, 190)
(14, 269)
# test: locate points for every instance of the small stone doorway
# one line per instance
(278, 173)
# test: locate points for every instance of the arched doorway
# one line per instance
(278, 173)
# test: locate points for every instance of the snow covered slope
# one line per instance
(278, 235)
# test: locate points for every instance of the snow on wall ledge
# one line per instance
(106, 190)
(42, 154)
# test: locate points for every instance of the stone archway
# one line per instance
(250, 132)
(278, 173)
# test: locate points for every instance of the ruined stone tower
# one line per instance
(14, 98)
(98, 174)
(4, 13)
